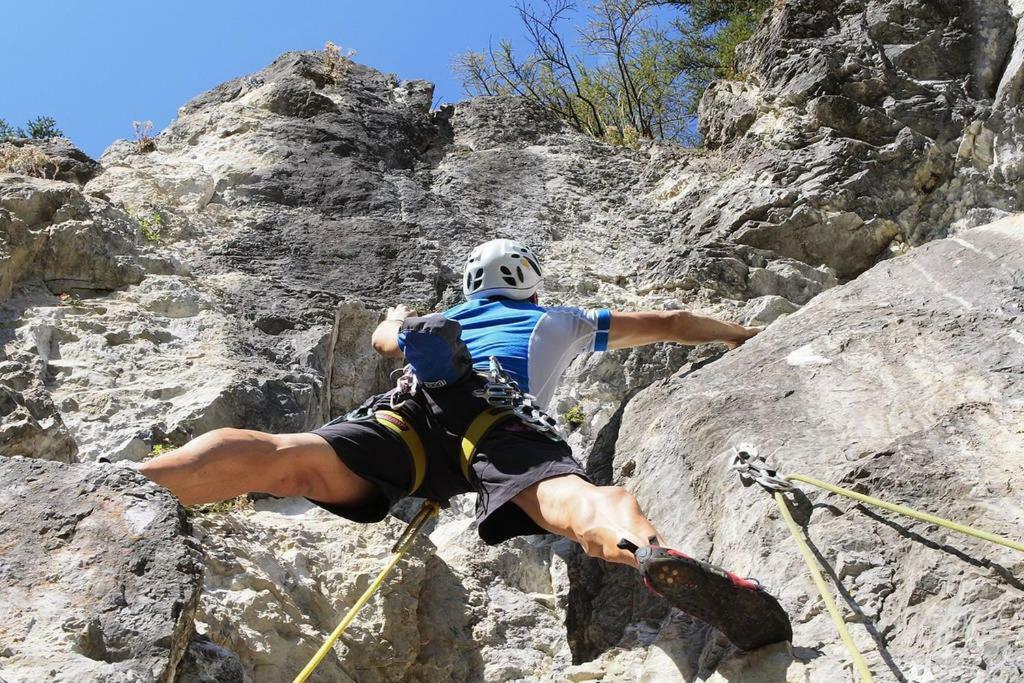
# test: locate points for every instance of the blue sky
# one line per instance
(98, 65)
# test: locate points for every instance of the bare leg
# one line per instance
(226, 463)
(596, 517)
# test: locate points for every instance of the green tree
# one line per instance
(39, 128)
(630, 73)
(6, 132)
(712, 30)
(42, 128)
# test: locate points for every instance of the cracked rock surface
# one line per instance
(99, 575)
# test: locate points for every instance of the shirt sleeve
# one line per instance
(587, 329)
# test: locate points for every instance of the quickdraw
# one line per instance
(501, 391)
(753, 469)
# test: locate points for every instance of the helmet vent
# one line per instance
(509, 280)
(477, 279)
(519, 272)
(506, 271)
(533, 264)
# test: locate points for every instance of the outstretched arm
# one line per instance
(648, 327)
(385, 337)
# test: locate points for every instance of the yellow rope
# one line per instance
(922, 516)
(823, 589)
(812, 565)
(403, 544)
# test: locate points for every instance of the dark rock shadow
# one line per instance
(448, 651)
(609, 606)
(999, 570)
(604, 602)
(697, 652)
(880, 643)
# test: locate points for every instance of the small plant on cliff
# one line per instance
(221, 507)
(43, 128)
(7, 132)
(337, 65)
(144, 140)
(150, 225)
(69, 299)
(626, 137)
(26, 160)
(575, 417)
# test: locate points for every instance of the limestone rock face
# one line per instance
(99, 577)
(936, 424)
(279, 574)
(866, 126)
(231, 276)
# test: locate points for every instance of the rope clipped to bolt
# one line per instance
(401, 546)
(753, 469)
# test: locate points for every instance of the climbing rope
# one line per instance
(819, 581)
(909, 512)
(403, 544)
(752, 469)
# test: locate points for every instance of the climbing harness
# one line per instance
(753, 469)
(500, 391)
(476, 432)
(402, 545)
(397, 424)
(506, 400)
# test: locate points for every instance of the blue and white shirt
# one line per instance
(534, 344)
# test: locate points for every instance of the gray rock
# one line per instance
(50, 231)
(885, 386)
(290, 207)
(100, 577)
(281, 576)
(63, 161)
(766, 309)
(30, 424)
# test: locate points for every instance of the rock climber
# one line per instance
(497, 357)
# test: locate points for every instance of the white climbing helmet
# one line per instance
(501, 268)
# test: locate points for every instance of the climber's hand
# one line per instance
(399, 312)
(385, 337)
(742, 335)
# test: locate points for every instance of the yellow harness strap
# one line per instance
(478, 429)
(398, 425)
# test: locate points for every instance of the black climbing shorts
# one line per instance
(510, 458)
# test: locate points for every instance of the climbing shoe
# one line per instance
(740, 608)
